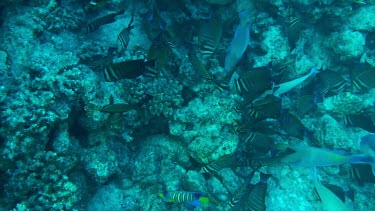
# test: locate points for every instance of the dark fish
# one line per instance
(225, 161)
(241, 192)
(251, 196)
(124, 37)
(253, 83)
(161, 53)
(361, 121)
(99, 62)
(362, 173)
(209, 37)
(339, 192)
(95, 24)
(268, 107)
(292, 125)
(200, 67)
(332, 81)
(129, 70)
(305, 104)
(294, 31)
(265, 5)
(329, 199)
(121, 107)
(258, 142)
(363, 78)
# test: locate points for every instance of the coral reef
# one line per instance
(59, 150)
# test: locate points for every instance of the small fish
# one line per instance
(360, 120)
(225, 161)
(258, 142)
(251, 196)
(113, 108)
(292, 125)
(294, 31)
(362, 173)
(129, 70)
(287, 86)
(200, 67)
(124, 37)
(332, 81)
(305, 104)
(253, 83)
(307, 156)
(239, 43)
(331, 202)
(209, 37)
(97, 23)
(363, 78)
(269, 107)
(194, 199)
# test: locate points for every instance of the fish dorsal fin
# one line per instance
(337, 190)
(111, 99)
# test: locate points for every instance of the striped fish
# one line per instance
(124, 37)
(200, 67)
(190, 198)
(251, 196)
(294, 31)
(225, 161)
(97, 23)
(360, 120)
(292, 125)
(254, 82)
(364, 78)
(209, 37)
(129, 70)
(333, 82)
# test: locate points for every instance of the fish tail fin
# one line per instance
(204, 200)
(350, 194)
(162, 196)
(361, 158)
(314, 70)
(244, 16)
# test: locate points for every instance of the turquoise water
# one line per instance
(161, 105)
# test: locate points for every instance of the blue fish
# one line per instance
(367, 144)
(307, 156)
(239, 43)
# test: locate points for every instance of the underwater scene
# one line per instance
(243, 105)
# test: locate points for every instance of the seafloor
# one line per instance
(71, 139)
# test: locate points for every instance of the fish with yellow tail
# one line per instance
(194, 199)
(307, 156)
